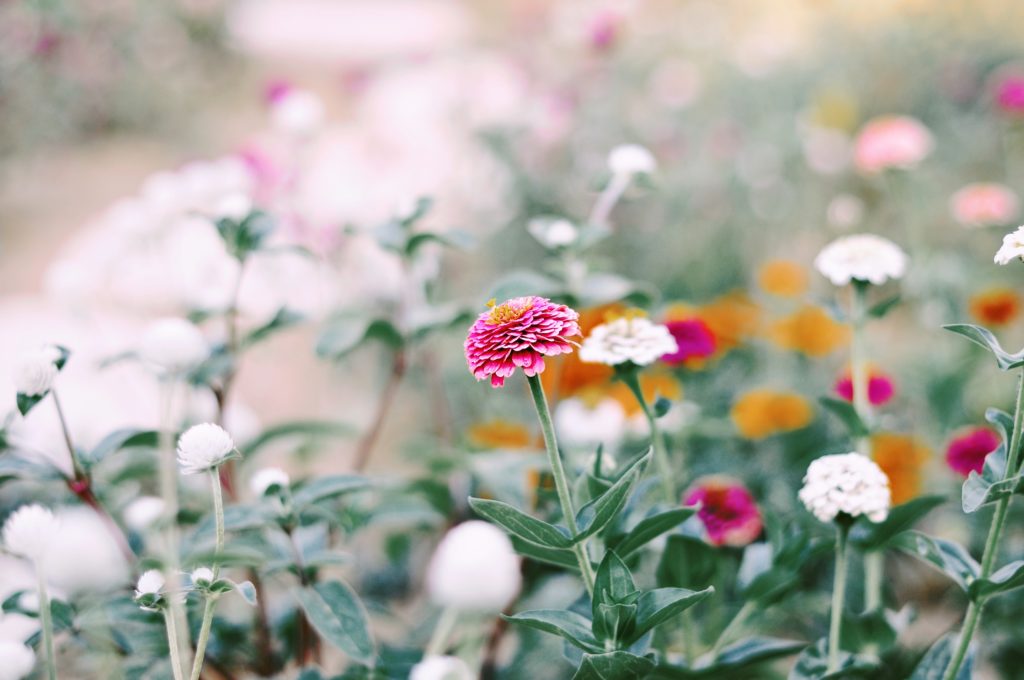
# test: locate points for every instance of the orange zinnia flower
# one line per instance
(996, 307)
(902, 458)
(761, 413)
(499, 434)
(810, 330)
(783, 278)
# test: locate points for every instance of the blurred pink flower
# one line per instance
(967, 451)
(604, 28)
(891, 142)
(880, 387)
(694, 338)
(519, 332)
(1008, 86)
(982, 205)
(728, 510)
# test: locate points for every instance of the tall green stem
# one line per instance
(442, 631)
(561, 481)
(838, 598)
(168, 473)
(46, 623)
(211, 599)
(173, 643)
(204, 638)
(988, 557)
(668, 485)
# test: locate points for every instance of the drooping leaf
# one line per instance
(522, 525)
(282, 319)
(331, 486)
(565, 623)
(117, 440)
(1005, 578)
(984, 337)
(558, 557)
(867, 535)
(948, 557)
(338, 616)
(347, 332)
(650, 528)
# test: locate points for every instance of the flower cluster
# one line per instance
(628, 339)
(846, 484)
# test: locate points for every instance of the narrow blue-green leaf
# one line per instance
(522, 525)
(566, 624)
(338, 616)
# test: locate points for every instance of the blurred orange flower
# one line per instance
(499, 434)
(995, 307)
(566, 375)
(761, 413)
(902, 458)
(653, 385)
(732, 319)
(784, 278)
(810, 330)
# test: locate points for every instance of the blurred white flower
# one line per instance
(553, 232)
(826, 151)
(202, 576)
(173, 345)
(16, 660)
(845, 211)
(628, 338)
(36, 371)
(203, 447)
(847, 483)
(631, 159)
(140, 514)
(441, 668)
(84, 556)
(266, 478)
(30, 531)
(474, 568)
(235, 206)
(861, 257)
(150, 583)
(581, 424)
(297, 112)
(1012, 248)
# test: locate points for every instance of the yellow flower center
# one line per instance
(508, 311)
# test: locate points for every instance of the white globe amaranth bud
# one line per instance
(140, 514)
(36, 371)
(553, 232)
(633, 339)
(846, 483)
(149, 590)
(16, 660)
(266, 478)
(201, 576)
(441, 668)
(861, 257)
(474, 568)
(173, 345)
(204, 447)
(30, 531)
(631, 159)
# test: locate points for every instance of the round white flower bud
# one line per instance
(266, 478)
(847, 483)
(861, 257)
(203, 447)
(173, 345)
(36, 371)
(474, 569)
(631, 159)
(16, 660)
(30, 531)
(628, 338)
(1012, 248)
(553, 232)
(143, 511)
(441, 668)
(202, 576)
(150, 583)
(299, 112)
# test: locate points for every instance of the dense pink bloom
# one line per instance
(728, 511)
(982, 205)
(880, 388)
(519, 332)
(891, 142)
(967, 452)
(694, 338)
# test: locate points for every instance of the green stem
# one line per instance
(168, 481)
(838, 597)
(204, 628)
(874, 568)
(173, 644)
(735, 625)
(76, 466)
(995, 532)
(442, 631)
(561, 481)
(668, 485)
(204, 637)
(46, 623)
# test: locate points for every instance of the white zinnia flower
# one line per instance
(203, 447)
(266, 478)
(583, 425)
(1012, 248)
(143, 511)
(298, 112)
(441, 668)
(631, 159)
(553, 232)
(173, 345)
(202, 575)
(474, 568)
(628, 338)
(846, 483)
(30, 531)
(864, 257)
(16, 660)
(36, 371)
(236, 207)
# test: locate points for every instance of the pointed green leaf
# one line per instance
(567, 624)
(984, 337)
(1006, 578)
(522, 525)
(934, 663)
(845, 411)
(867, 535)
(556, 556)
(659, 605)
(617, 665)
(121, 439)
(338, 616)
(880, 309)
(596, 514)
(949, 557)
(650, 528)
(284, 318)
(323, 488)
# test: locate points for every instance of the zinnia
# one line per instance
(693, 338)
(519, 333)
(1012, 248)
(966, 452)
(846, 483)
(891, 142)
(861, 257)
(982, 205)
(628, 339)
(995, 307)
(728, 511)
(880, 387)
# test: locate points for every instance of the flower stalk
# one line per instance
(838, 598)
(173, 643)
(658, 442)
(210, 598)
(442, 631)
(46, 624)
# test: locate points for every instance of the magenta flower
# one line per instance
(694, 338)
(519, 332)
(1009, 91)
(967, 452)
(728, 510)
(880, 388)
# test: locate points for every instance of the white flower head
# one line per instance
(16, 660)
(474, 568)
(143, 511)
(441, 668)
(30, 531)
(861, 257)
(173, 345)
(235, 206)
(36, 371)
(149, 590)
(581, 424)
(553, 232)
(1012, 248)
(266, 478)
(202, 576)
(204, 447)
(846, 483)
(298, 112)
(628, 338)
(631, 159)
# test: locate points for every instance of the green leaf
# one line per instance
(525, 282)
(26, 403)
(522, 525)
(845, 411)
(867, 535)
(662, 406)
(284, 318)
(655, 607)
(338, 616)
(687, 562)
(866, 630)
(347, 332)
(812, 664)
(331, 486)
(247, 590)
(617, 665)
(566, 624)
(613, 605)
(125, 438)
(558, 557)
(457, 239)
(934, 663)
(949, 557)
(309, 429)
(756, 650)
(1005, 578)
(596, 514)
(880, 309)
(13, 466)
(984, 337)
(650, 528)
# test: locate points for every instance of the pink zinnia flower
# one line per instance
(728, 510)
(982, 205)
(891, 142)
(967, 452)
(694, 338)
(1008, 86)
(519, 332)
(880, 387)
